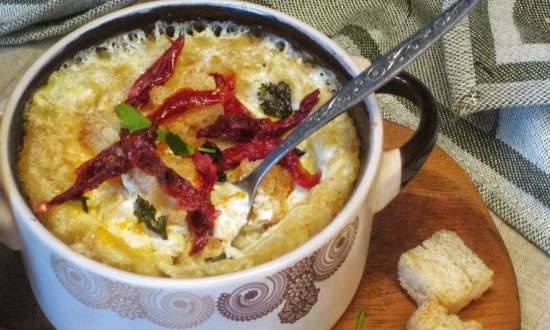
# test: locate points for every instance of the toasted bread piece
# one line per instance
(426, 274)
(445, 269)
(432, 316)
(449, 243)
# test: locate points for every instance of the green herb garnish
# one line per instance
(146, 213)
(130, 118)
(178, 146)
(275, 99)
(360, 319)
(161, 134)
(212, 150)
(207, 150)
(222, 177)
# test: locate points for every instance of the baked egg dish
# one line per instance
(131, 149)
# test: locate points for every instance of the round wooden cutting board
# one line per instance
(441, 196)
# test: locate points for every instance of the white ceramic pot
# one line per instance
(308, 288)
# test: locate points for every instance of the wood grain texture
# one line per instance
(441, 196)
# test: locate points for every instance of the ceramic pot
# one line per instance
(307, 288)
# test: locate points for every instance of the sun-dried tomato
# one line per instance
(231, 104)
(259, 149)
(300, 175)
(184, 100)
(225, 83)
(253, 150)
(109, 163)
(207, 170)
(236, 127)
(157, 74)
(201, 226)
(242, 127)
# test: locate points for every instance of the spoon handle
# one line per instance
(368, 81)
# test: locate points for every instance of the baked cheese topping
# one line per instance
(71, 119)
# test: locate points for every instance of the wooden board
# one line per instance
(441, 196)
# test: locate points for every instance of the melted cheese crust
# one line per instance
(71, 118)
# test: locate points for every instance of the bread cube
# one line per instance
(445, 269)
(432, 316)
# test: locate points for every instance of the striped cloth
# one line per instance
(490, 77)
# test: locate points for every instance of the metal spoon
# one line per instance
(368, 81)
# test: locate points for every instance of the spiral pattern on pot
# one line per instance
(253, 300)
(176, 310)
(90, 289)
(332, 255)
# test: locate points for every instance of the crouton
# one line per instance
(445, 269)
(432, 316)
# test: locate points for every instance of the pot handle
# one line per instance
(399, 166)
(8, 231)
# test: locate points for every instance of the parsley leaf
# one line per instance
(360, 319)
(146, 213)
(212, 150)
(161, 134)
(130, 118)
(275, 99)
(207, 150)
(178, 146)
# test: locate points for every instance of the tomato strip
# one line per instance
(184, 100)
(254, 150)
(300, 175)
(235, 127)
(156, 75)
(208, 172)
(231, 104)
(109, 163)
(259, 149)
(242, 127)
